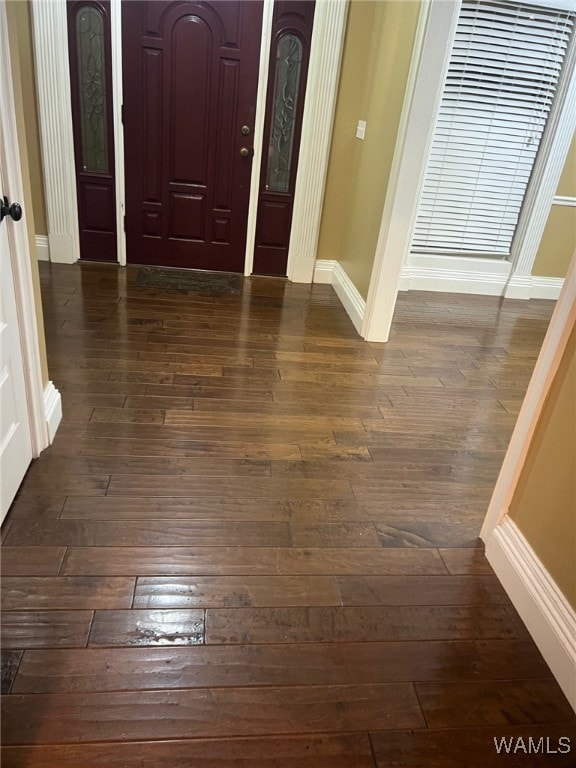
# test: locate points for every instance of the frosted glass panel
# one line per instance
(92, 90)
(288, 69)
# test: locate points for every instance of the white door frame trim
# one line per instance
(561, 324)
(117, 100)
(432, 46)
(259, 118)
(53, 84)
(326, 50)
(542, 606)
(22, 273)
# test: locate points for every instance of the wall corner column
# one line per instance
(50, 33)
(323, 78)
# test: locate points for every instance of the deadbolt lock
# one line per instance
(245, 130)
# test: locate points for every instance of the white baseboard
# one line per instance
(331, 272)
(518, 287)
(63, 249)
(533, 287)
(453, 274)
(549, 617)
(42, 248)
(546, 287)
(324, 271)
(486, 277)
(52, 409)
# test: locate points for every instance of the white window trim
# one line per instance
(392, 267)
(53, 87)
(545, 178)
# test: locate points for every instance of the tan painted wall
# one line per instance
(559, 240)
(29, 103)
(544, 504)
(375, 65)
(567, 185)
(14, 10)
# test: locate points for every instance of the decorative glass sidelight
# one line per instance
(92, 88)
(285, 101)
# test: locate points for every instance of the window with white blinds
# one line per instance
(502, 77)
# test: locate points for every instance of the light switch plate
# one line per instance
(361, 129)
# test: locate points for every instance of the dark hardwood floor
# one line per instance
(254, 540)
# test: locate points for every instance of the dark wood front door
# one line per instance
(190, 81)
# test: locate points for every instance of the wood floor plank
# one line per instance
(476, 747)
(219, 712)
(158, 465)
(45, 629)
(323, 751)
(66, 592)
(202, 666)
(460, 534)
(466, 561)
(67, 485)
(334, 534)
(31, 561)
(222, 487)
(126, 431)
(130, 415)
(359, 561)
(232, 561)
(227, 449)
(104, 533)
(421, 590)
(147, 627)
(234, 591)
(191, 508)
(357, 624)
(274, 407)
(518, 702)
(275, 420)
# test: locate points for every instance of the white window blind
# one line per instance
(502, 77)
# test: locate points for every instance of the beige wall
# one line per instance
(559, 240)
(544, 504)
(376, 60)
(14, 10)
(29, 104)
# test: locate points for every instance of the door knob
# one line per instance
(246, 152)
(14, 210)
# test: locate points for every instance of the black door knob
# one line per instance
(14, 210)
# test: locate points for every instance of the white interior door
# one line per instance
(15, 384)
(15, 439)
